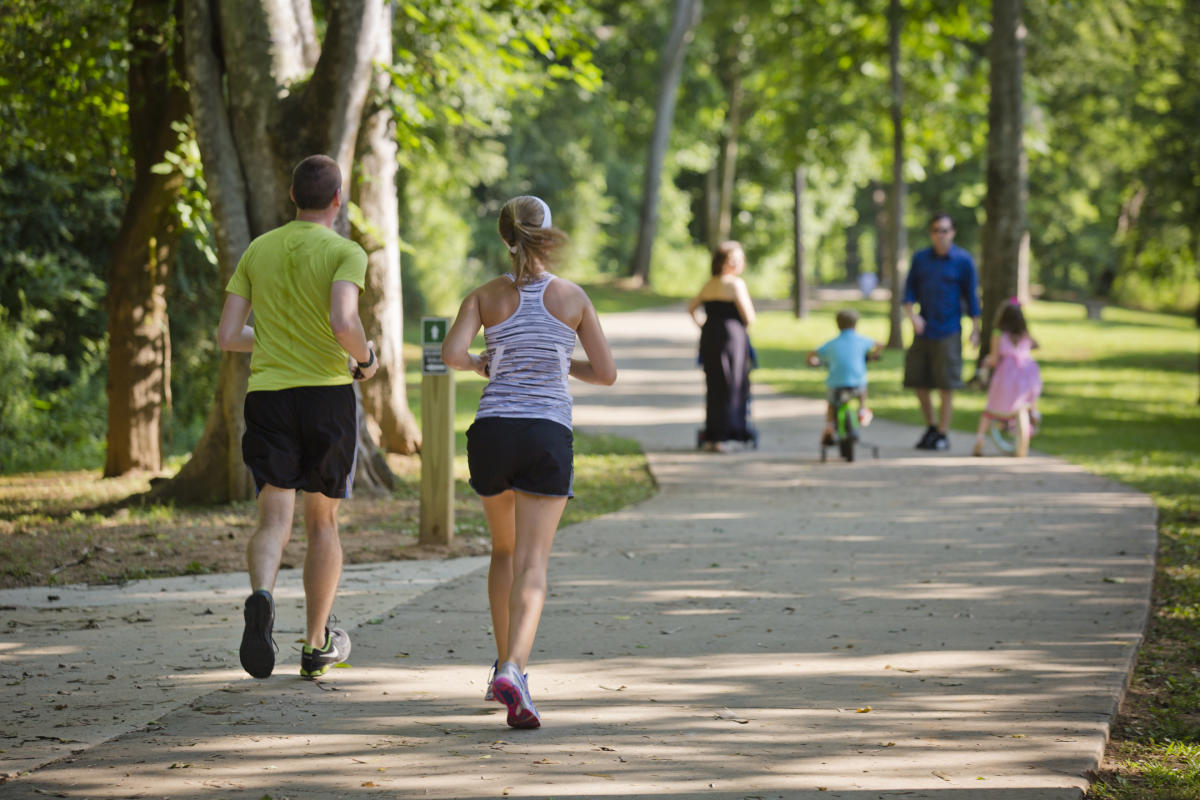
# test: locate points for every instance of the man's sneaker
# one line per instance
(489, 695)
(512, 689)
(315, 661)
(827, 439)
(941, 442)
(927, 438)
(258, 647)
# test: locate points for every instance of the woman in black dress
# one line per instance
(725, 348)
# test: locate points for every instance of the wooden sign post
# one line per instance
(437, 436)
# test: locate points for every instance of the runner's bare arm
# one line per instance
(347, 327)
(233, 334)
(599, 366)
(457, 344)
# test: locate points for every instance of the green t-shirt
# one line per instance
(286, 274)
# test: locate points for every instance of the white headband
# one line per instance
(512, 248)
(545, 211)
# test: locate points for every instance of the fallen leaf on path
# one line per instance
(937, 773)
(179, 765)
(863, 710)
(732, 717)
(546, 761)
(620, 688)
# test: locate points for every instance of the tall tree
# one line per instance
(1005, 266)
(897, 238)
(264, 95)
(684, 19)
(799, 286)
(389, 419)
(139, 355)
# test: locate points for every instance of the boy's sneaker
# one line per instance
(512, 689)
(258, 647)
(927, 438)
(941, 442)
(865, 416)
(314, 662)
(489, 695)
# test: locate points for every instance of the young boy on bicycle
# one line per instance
(847, 355)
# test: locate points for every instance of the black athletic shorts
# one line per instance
(934, 363)
(302, 438)
(535, 456)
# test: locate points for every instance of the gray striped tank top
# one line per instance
(529, 358)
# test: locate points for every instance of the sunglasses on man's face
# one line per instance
(942, 230)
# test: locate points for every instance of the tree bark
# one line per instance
(1005, 235)
(249, 139)
(139, 352)
(684, 19)
(729, 149)
(897, 244)
(879, 195)
(799, 287)
(388, 417)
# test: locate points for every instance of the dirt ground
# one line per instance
(71, 527)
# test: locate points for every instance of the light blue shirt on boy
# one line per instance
(846, 355)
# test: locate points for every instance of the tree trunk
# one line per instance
(729, 149)
(879, 195)
(897, 244)
(712, 207)
(799, 288)
(1005, 236)
(249, 141)
(684, 19)
(139, 353)
(388, 418)
(853, 258)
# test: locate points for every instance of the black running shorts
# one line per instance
(934, 363)
(531, 455)
(302, 438)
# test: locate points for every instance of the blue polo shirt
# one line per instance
(846, 355)
(941, 287)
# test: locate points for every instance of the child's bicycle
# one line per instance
(845, 426)
(1004, 431)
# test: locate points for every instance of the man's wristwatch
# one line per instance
(359, 366)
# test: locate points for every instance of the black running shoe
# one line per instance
(315, 661)
(258, 647)
(927, 438)
(941, 442)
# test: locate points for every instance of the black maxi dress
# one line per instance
(725, 355)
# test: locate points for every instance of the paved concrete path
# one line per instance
(767, 626)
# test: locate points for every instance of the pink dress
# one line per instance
(1016, 382)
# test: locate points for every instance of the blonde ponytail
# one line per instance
(525, 228)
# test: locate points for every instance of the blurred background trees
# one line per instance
(781, 123)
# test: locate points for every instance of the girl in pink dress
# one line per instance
(1016, 380)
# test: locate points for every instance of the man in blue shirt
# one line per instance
(943, 282)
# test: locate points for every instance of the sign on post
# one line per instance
(437, 435)
(433, 333)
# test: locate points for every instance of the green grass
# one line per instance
(1120, 399)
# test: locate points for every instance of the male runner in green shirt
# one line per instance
(302, 281)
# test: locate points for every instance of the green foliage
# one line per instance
(38, 425)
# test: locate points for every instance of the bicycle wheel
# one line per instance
(1003, 433)
(846, 434)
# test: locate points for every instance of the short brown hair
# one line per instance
(847, 318)
(315, 181)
